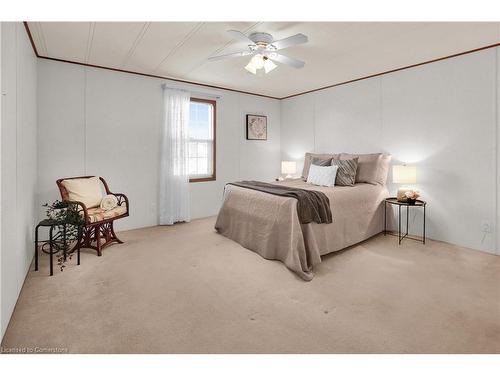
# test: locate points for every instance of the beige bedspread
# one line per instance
(269, 224)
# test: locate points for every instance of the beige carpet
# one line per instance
(186, 289)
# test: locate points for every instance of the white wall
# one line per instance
(440, 117)
(18, 163)
(101, 122)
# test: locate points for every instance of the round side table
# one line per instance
(53, 242)
(394, 201)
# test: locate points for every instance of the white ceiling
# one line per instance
(336, 51)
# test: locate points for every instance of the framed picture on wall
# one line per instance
(257, 127)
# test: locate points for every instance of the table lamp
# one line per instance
(404, 174)
(289, 168)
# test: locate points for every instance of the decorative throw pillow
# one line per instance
(346, 174)
(322, 162)
(322, 176)
(372, 168)
(85, 190)
(109, 202)
(308, 160)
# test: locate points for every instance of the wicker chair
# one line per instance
(98, 223)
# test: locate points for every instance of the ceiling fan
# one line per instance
(262, 47)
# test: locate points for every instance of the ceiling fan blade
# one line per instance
(230, 55)
(297, 64)
(290, 41)
(239, 35)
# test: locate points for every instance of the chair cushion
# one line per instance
(100, 214)
(85, 190)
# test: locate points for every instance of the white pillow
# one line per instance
(322, 176)
(109, 202)
(85, 190)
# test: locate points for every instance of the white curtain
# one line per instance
(174, 171)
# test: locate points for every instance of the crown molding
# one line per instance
(394, 70)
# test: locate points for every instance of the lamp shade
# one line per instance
(258, 61)
(269, 65)
(288, 167)
(251, 68)
(404, 174)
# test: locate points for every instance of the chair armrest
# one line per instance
(122, 198)
(81, 208)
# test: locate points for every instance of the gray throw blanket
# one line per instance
(311, 205)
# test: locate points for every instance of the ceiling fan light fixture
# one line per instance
(263, 48)
(268, 65)
(258, 61)
(260, 64)
(251, 68)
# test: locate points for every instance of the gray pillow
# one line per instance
(346, 173)
(322, 162)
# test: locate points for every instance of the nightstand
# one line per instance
(394, 201)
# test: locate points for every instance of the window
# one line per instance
(201, 140)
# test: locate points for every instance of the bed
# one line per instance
(269, 225)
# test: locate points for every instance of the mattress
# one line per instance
(269, 225)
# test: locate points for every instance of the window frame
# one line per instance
(214, 148)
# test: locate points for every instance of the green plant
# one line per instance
(68, 220)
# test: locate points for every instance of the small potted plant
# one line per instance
(68, 219)
(412, 196)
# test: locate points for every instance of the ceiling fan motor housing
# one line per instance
(261, 38)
